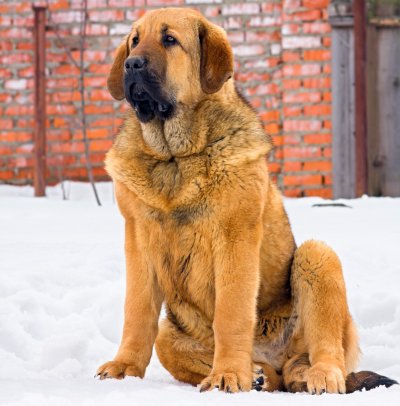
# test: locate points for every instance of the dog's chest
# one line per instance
(180, 251)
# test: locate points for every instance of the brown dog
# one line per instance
(207, 233)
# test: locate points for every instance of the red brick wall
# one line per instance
(282, 52)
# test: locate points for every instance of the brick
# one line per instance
(61, 5)
(327, 96)
(4, 150)
(94, 133)
(164, 3)
(232, 23)
(317, 55)
(62, 83)
(327, 152)
(18, 110)
(57, 108)
(315, 3)
(301, 69)
(103, 145)
(270, 115)
(236, 37)
(26, 148)
(126, 3)
(106, 15)
(6, 175)
(302, 180)
(307, 97)
(289, 111)
(292, 166)
(203, 1)
(290, 28)
(318, 110)
(267, 88)
(301, 152)
(92, 29)
(103, 122)
(327, 124)
(320, 166)
(16, 136)
(65, 17)
(291, 84)
(301, 125)
(24, 123)
(6, 45)
(133, 15)
(99, 109)
(266, 21)
(262, 36)
(327, 42)
(290, 56)
(252, 76)
(212, 11)
(100, 95)
(5, 73)
(316, 27)
(293, 192)
(325, 193)
(12, 59)
(309, 15)
(66, 69)
(6, 124)
(24, 46)
(291, 139)
(240, 9)
(272, 128)
(248, 50)
(300, 42)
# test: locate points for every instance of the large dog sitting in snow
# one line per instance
(207, 233)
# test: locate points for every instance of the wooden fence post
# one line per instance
(39, 31)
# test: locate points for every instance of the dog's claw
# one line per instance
(205, 387)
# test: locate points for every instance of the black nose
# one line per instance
(136, 63)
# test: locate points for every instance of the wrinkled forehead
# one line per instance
(181, 23)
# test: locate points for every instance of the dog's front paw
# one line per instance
(118, 370)
(323, 377)
(229, 382)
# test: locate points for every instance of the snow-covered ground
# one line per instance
(62, 288)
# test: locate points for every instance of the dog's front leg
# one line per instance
(236, 285)
(142, 308)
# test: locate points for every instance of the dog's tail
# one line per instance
(367, 380)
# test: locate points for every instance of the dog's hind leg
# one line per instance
(184, 357)
(321, 305)
(295, 373)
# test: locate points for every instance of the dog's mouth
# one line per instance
(147, 101)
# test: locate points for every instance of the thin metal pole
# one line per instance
(39, 179)
(360, 64)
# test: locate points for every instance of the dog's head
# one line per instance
(171, 57)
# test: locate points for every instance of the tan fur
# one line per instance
(207, 234)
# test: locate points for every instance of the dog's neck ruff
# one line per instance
(179, 136)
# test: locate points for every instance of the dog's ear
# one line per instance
(216, 57)
(115, 78)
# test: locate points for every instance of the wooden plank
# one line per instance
(343, 112)
(388, 85)
(374, 167)
(360, 63)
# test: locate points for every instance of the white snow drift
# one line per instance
(62, 291)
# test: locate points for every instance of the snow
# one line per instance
(62, 288)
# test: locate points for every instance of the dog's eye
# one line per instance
(168, 40)
(135, 41)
